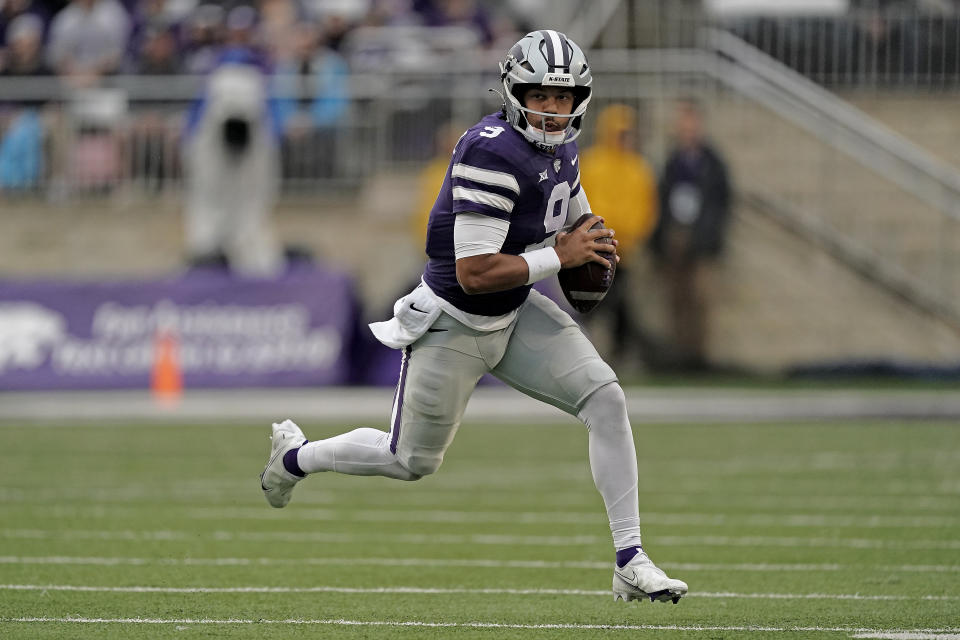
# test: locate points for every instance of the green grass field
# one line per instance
(825, 530)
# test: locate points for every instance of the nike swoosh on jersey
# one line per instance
(573, 160)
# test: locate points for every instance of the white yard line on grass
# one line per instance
(673, 519)
(470, 625)
(454, 591)
(474, 563)
(907, 635)
(525, 517)
(486, 539)
(212, 491)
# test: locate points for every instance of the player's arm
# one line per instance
(578, 206)
(481, 268)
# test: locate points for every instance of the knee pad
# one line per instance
(607, 406)
(407, 475)
(610, 395)
(420, 466)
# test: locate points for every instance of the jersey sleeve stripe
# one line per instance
(486, 176)
(576, 183)
(492, 189)
(483, 197)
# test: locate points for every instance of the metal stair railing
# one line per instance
(589, 20)
(751, 73)
(807, 104)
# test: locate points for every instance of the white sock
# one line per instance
(361, 452)
(613, 461)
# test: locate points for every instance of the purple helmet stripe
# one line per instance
(547, 48)
(556, 51)
(398, 400)
(567, 51)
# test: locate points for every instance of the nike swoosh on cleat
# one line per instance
(628, 577)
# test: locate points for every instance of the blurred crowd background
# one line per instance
(827, 243)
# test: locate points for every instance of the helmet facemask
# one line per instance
(547, 59)
(544, 139)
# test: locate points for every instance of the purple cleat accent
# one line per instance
(640, 578)
(276, 480)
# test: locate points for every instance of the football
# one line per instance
(586, 285)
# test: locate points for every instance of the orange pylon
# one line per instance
(166, 378)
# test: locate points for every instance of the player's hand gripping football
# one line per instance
(583, 245)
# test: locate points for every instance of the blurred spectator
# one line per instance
(88, 39)
(277, 19)
(144, 13)
(24, 55)
(431, 178)
(335, 28)
(169, 12)
(312, 82)
(241, 24)
(22, 144)
(10, 10)
(157, 54)
(151, 17)
(695, 196)
(345, 11)
(90, 148)
(461, 13)
(622, 188)
(203, 38)
(231, 160)
(386, 13)
(152, 152)
(21, 152)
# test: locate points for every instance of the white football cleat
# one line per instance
(640, 578)
(276, 482)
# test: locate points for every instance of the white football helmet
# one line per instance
(551, 59)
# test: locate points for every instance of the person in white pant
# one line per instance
(231, 161)
(498, 225)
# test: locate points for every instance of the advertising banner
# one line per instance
(206, 329)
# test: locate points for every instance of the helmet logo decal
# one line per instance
(559, 80)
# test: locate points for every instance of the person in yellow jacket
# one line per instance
(623, 190)
(432, 175)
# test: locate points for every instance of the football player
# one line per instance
(496, 228)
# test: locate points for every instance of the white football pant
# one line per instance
(543, 354)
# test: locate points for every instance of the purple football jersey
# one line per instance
(496, 172)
